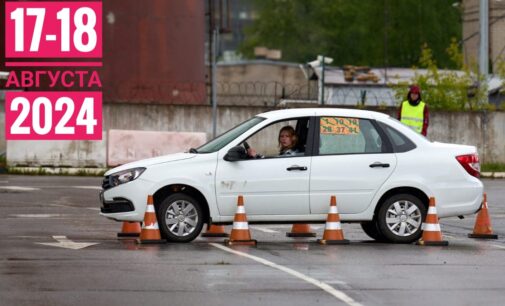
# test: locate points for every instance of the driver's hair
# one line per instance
(292, 133)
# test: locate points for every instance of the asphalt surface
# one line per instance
(279, 271)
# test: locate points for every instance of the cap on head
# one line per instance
(415, 89)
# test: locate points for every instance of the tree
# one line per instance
(453, 90)
(365, 32)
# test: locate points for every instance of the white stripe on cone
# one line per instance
(432, 210)
(153, 226)
(333, 210)
(333, 226)
(240, 210)
(240, 225)
(429, 227)
(150, 208)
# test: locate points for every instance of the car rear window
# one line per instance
(400, 142)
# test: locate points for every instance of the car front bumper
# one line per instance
(126, 202)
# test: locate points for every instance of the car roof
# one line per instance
(300, 112)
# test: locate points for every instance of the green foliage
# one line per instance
(500, 71)
(365, 32)
(56, 171)
(493, 167)
(450, 90)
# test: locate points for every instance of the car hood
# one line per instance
(152, 161)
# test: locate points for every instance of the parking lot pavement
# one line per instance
(56, 250)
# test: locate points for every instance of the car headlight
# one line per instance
(125, 176)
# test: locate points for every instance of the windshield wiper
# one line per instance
(193, 150)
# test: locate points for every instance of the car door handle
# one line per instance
(379, 165)
(301, 168)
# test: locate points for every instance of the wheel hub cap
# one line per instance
(181, 218)
(403, 218)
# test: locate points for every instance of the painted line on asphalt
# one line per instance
(499, 246)
(19, 188)
(93, 208)
(36, 215)
(64, 242)
(87, 187)
(324, 286)
(264, 229)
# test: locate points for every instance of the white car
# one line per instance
(381, 172)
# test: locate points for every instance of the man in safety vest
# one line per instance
(414, 112)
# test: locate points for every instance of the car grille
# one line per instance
(106, 183)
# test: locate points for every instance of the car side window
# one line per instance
(266, 143)
(342, 135)
(400, 142)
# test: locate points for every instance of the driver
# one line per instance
(287, 143)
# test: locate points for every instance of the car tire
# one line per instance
(372, 230)
(400, 218)
(180, 217)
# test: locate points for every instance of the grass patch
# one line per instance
(55, 171)
(492, 167)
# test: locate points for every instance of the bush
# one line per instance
(450, 89)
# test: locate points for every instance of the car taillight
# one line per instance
(471, 164)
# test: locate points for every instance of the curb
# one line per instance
(493, 175)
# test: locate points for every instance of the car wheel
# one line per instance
(400, 218)
(372, 230)
(180, 217)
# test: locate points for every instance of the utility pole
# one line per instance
(214, 93)
(321, 84)
(484, 42)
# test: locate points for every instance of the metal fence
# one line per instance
(246, 93)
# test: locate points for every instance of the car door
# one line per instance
(270, 184)
(352, 159)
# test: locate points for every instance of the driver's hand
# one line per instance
(251, 152)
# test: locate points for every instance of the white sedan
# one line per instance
(381, 172)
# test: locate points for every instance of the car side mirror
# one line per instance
(235, 154)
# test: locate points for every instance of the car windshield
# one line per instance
(219, 142)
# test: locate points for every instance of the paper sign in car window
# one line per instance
(339, 126)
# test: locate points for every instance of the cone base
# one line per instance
(215, 235)
(332, 242)
(125, 235)
(149, 241)
(483, 236)
(298, 235)
(433, 243)
(240, 242)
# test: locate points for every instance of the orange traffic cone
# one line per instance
(240, 234)
(130, 229)
(301, 230)
(432, 235)
(215, 231)
(482, 228)
(150, 231)
(333, 233)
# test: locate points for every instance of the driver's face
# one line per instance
(285, 139)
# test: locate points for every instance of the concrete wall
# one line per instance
(262, 82)
(124, 146)
(484, 130)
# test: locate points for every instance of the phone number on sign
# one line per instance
(53, 115)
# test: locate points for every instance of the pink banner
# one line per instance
(53, 116)
(53, 29)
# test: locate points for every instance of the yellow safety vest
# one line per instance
(413, 116)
